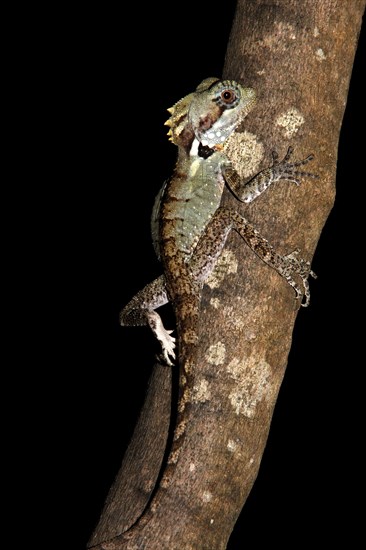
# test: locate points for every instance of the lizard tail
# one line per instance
(187, 319)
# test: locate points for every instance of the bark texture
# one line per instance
(142, 462)
(298, 56)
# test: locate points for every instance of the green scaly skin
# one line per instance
(190, 229)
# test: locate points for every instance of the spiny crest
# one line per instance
(179, 111)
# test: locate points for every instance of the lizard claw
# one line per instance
(164, 336)
(298, 265)
(288, 170)
(168, 345)
(164, 357)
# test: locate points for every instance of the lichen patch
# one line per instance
(201, 392)
(290, 121)
(245, 152)
(180, 430)
(216, 354)
(206, 496)
(279, 37)
(234, 368)
(173, 457)
(252, 384)
(320, 55)
(232, 445)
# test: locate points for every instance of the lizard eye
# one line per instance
(228, 96)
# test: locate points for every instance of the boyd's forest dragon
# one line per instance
(189, 229)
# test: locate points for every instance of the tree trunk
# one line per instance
(298, 56)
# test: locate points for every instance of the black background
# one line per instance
(109, 92)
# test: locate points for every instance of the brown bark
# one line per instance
(141, 464)
(298, 56)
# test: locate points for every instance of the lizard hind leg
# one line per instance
(289, 266)
(213, 240)
(140, 311)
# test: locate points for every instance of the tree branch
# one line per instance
(298, 56)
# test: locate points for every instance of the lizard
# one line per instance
(190, 227)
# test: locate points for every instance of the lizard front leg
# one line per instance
(280, 170)
(213, 240)
(141, 311)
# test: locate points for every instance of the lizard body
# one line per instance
(189, 229)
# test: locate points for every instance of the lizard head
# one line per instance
(211, 113)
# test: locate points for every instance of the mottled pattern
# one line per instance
(283, 170)
(141, 311)
(190, 229)
(217, 231)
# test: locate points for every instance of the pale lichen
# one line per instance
(173, 457)
(232, 445)
(216, 354)
(185, 398)
(290, 121)
(282, 33)
(245, 152)
(252, 384)
(180, 429)
(201, 392)
(206, 496)
(320, 55)
(234, 368)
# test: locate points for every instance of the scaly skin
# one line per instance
(190, 229)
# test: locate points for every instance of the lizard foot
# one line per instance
(164, 336)
(285, 170)
(296, 265)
